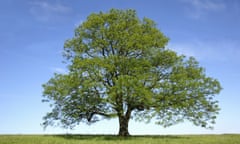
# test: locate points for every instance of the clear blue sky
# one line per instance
(32, 33)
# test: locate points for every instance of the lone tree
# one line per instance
(119, 67)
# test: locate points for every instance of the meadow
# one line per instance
(103, 139)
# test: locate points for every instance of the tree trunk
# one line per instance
(123, 126)
(123, 122)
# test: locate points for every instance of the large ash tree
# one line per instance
(119, 68)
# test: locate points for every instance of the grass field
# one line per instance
(101, 139)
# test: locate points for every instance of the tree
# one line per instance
(119, 67)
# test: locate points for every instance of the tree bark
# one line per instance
(123, 123)
(123, 126)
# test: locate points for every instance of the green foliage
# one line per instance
(88, 139)
(119, 67)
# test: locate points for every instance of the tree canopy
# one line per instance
(119, 67)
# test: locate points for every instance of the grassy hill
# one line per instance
(102, 139)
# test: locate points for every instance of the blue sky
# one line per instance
(31, 43)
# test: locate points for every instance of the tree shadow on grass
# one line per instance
(115, 137)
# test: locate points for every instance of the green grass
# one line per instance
(107, 139)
